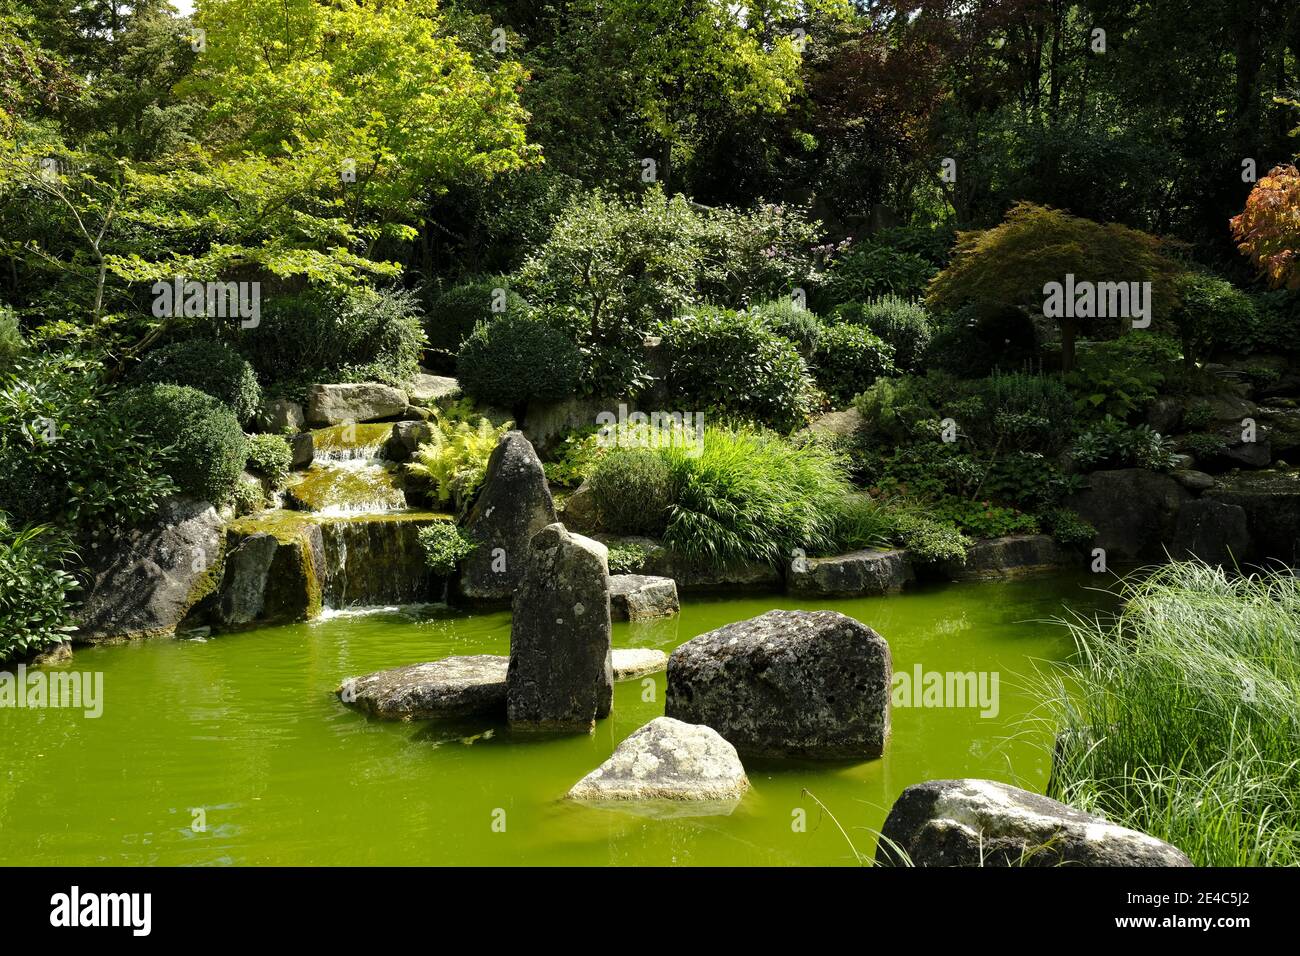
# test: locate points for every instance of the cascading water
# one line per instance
(349, 475)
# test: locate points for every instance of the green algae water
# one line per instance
(246, 728)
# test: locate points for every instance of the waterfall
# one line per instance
(377, 561)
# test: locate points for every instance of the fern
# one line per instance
(454, 461)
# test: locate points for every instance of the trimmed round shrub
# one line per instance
(516, 360)
(799, 325)
(904, 324)
(453, 314)
(1213, 315)
(733, 364)
(209, 366)
(203, 446)
(849, 358)
(269, 457)
(632, 488)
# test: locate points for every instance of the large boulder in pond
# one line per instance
(353, 402)
(668, 761)
(514, 504)
(561, 675)
(809, 684)
(984, 823)
(1012, 556)
(642, 597)
(1134, 510)
(146, 580)
(465, 686)
(856, 574)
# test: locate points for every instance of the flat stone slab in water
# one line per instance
(856, 574)
(463, 686)
(668, 762)
(637, 662)
(452, 687)
(641, 597)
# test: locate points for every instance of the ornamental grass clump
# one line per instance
(1181, 715)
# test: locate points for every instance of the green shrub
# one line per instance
(35, 607)
(358, 335)
(977, 339)
(1213, 315)
(444, 545)
(1193, 685)
(1112, 444)
(900, 410)
(1277, 322)
(1198, 415)
(454, 461)
(248, 498)
(574, 459)
(848, 359)
(516, 360)
(1122, 377)
(206, 450)
(11, 338)
(905, 325)
(871, 269)
(632, 488)
(983, 519)
(1020, 411)
(627, 557)
(928, 540)
(1204, 445)
(1068, 528)
(788, 320)
(211, 367)
(731, 364)
(452, 314)
(67, 454)
(269, 457)
(933, 242)
(859, 521)
(751, 495)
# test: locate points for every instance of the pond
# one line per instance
(246, 728)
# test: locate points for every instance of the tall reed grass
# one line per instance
(1181, 715)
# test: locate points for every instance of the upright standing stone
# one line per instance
(561, 675)
(514, 505)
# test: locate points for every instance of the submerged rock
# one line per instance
(453, 687)
(640, 597)
(561, 675)
(354, 402)
(856, 574)
(984, 823)
(145, 581)
(637, 662)
(668, 760)
(514, 505)
(787, 684)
